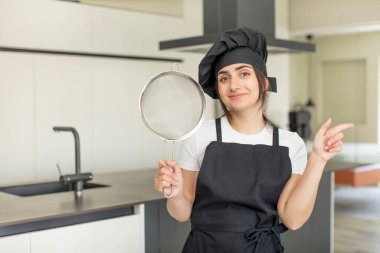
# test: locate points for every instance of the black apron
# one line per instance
(235, 205)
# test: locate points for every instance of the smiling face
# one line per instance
(239, 88)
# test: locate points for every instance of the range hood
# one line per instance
(221, 15)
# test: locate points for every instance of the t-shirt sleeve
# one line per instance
(187, 157)
(299, 155)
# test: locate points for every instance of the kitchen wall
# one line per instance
(98, 96)
(346, 35)
(278, 66)
(362, 142)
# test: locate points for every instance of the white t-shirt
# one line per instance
(193, 148)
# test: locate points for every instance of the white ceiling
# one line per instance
(162, 7)
(321, 17)
(324, 17)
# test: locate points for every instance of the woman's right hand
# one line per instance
(168, 179)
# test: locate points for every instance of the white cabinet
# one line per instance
(15, 244)
(117, 235)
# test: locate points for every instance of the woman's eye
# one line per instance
(223, 79)
(245, 74)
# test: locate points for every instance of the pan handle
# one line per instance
(168, 191)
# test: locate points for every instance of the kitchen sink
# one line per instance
(45, 188)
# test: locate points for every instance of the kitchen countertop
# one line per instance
(335, 165)
(26, 214)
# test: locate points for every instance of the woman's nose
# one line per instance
(235, 83)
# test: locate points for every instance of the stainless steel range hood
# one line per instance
(221, 15)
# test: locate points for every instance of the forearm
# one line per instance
(298, 197)
(179, 207)
(300, 203)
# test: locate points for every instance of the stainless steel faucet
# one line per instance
(78, 178)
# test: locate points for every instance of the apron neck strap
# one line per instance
(218, 130)
(275, 136)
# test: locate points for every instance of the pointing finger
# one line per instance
(324, 127)
(340, 128)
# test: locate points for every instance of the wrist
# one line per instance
(178, 197)
(178, 201)
(314, 157)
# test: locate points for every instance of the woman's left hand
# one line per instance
(328, 141)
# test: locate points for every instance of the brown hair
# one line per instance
(263, 82)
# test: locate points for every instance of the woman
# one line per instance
(239, 175)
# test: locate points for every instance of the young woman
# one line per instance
(239, 175)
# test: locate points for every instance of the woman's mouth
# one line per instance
(236, 96)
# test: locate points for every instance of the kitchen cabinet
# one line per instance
(122, 234)
(15, 244)
(317, 234)
(119, 235)
(163, 233)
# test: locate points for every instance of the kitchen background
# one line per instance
(99, 96)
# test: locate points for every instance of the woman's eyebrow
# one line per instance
(222, 72)
(236, 69)
(243, 66)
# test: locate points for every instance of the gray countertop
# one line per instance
(335, 165)
(25, 214)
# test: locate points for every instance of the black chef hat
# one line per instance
(242, 45)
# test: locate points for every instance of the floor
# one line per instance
(357, 219)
